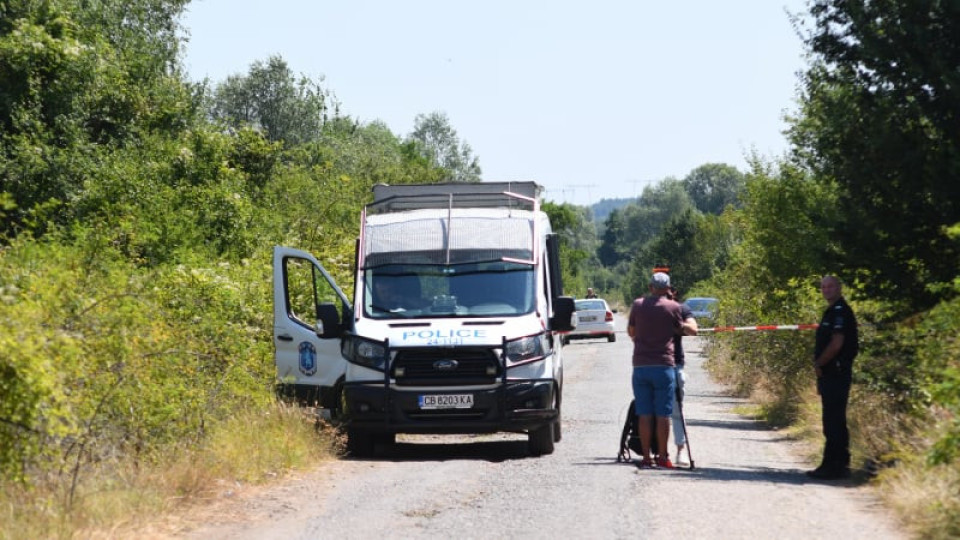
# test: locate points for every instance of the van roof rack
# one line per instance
(387, 198)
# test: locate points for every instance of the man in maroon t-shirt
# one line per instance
(653, 322)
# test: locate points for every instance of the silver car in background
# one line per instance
(595, 320)
(704, 309)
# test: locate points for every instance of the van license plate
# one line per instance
(446, 401)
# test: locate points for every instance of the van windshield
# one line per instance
(403, 291)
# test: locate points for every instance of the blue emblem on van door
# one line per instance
(308, 359)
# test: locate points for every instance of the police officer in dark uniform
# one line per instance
(837, 344)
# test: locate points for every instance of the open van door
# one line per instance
(310, 314)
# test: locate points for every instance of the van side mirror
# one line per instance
(328, 321)
(564, 314)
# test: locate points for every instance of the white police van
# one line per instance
(456, 322)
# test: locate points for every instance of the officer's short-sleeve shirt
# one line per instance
(839, 318)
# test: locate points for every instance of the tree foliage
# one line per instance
(136, 232)
(694, 246)
(437, 141)
(570, 223)
(714, 186)
(630, 228)
(680, 223)
(880, 116)
(786, 226)
(611, 249)
(272, 99)
(869, 194)
(76, 81)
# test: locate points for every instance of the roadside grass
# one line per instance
(927, 497)
(252, 448)
(891, 445)
(879, 435)
(721, 367)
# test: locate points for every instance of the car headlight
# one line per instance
(527, 349)
(364, 352)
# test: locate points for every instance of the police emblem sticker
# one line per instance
(308, 359)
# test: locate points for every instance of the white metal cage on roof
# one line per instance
(388, 198)
(450, 224)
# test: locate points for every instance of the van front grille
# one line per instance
(445, 367)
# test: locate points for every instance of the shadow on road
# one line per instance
(748, 474)
(492, 451)
(739, 425)
(767, 474)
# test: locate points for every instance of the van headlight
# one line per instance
(527, 349)
(364, 352)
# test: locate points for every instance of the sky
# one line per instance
(592, 100)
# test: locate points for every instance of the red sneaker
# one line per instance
(665, 463)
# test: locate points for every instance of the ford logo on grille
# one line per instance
(445, 365)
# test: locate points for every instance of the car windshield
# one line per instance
(403, 291)
(701, 304)
(587, 305)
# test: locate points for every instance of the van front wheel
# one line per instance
(540, 440)
(557, 425)
(360, 444)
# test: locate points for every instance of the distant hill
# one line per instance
(603, 208)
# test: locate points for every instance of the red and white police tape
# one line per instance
(756, 327)
(759, 327)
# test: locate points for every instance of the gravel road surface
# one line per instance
(748, 481)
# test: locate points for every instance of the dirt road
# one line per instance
(748, 481)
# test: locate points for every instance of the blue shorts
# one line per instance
(653, 390)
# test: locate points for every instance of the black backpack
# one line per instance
(630, 436)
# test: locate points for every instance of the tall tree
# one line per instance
(880, 117)
(438, 142)
(612, 250)
(270, 97)
(713, 186)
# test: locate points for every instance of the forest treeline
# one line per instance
(138, 211)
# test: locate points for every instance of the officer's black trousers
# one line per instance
(834, 394)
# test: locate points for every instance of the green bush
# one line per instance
(100, 357)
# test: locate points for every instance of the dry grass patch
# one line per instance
(113, 500)
(878, 433)
(926, 498)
